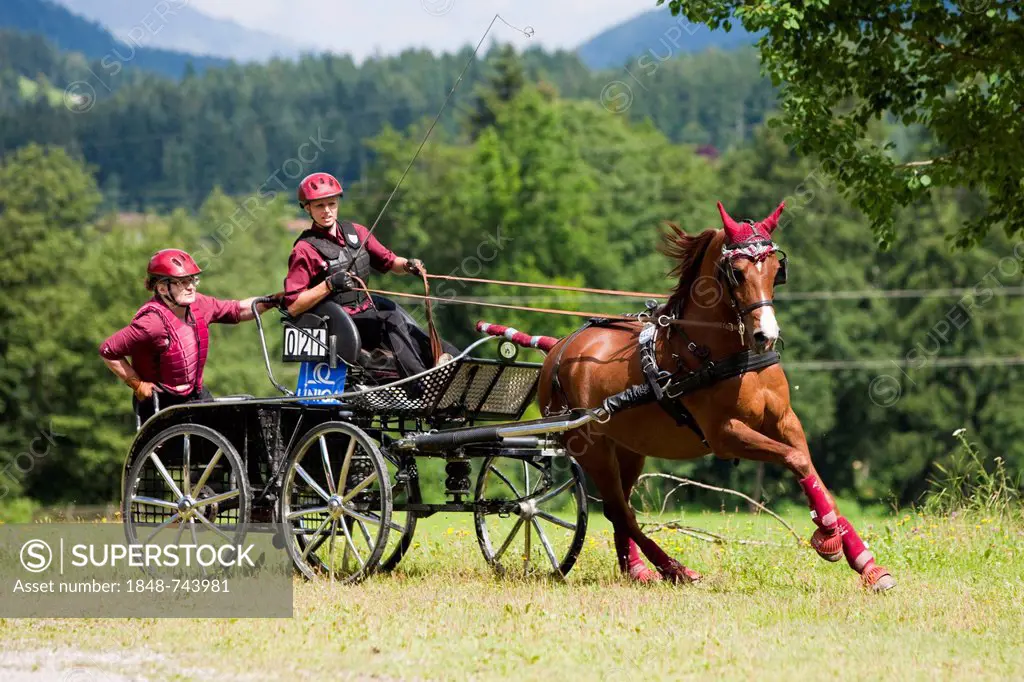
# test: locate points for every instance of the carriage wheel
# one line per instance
(336, 503)
(403, 523)
(531, 514)
(187, 480)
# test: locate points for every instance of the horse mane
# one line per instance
(688, 251)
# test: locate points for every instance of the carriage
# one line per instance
(334, 467)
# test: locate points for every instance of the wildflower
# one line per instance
(959, 432)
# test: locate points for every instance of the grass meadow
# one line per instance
(766, 611)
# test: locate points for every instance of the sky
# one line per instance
(362, 27)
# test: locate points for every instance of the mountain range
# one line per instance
(167, 36)
(173, 25)
(72, 33)
(660, 35)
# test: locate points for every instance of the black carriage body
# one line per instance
(264, 431)
(264, 440)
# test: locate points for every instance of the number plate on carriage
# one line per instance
(308, 344)
(318, 379)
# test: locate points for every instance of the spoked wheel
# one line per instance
(188, 478)
(336, 503)
(531, 514)
(406, 490)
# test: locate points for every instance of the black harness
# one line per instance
(667, 387)
(348, 258)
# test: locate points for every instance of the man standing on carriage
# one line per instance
(332, 260)
(168, 339)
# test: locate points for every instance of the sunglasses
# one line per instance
(184, 282)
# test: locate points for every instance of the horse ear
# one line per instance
(732, 230)
(726, 218)
(772, 221)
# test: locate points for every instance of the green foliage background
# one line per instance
(529, 178)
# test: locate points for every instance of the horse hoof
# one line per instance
(878, 579)
(677, 573)
(828, 546)
(643, 575)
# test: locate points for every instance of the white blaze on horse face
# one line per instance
(766, 322)
(769, 325)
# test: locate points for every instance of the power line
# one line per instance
(879, 363)
(896, 293)
(852, 295)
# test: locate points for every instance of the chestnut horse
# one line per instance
(721, 308)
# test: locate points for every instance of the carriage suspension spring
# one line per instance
(457, 484)
(406, 472)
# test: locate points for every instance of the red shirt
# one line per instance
(146, 338)
(305, 262)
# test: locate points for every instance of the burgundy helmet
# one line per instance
(318, 186)
(170, 263)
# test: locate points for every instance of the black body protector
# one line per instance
(348, 258)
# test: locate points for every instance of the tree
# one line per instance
(951, 67)
(504, 83)
(46, 199)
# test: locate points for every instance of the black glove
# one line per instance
(340, 281)
(414, 266)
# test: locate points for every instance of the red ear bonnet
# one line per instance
(739, 233)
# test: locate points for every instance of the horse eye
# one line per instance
(737, 275)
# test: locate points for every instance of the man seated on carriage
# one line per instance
(332, 260)
(168, 339)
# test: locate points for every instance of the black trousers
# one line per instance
(145, 409)
(391, 327)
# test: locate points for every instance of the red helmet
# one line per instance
(170, 263)
(318, 186)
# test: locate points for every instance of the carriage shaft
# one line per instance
(446, 440)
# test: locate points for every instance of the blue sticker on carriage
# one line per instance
(317, 378)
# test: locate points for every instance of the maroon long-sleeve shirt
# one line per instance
(146, 340)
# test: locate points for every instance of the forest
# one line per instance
(534, 174)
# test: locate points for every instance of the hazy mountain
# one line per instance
(173, 25)
(72, 33)
(659, 34)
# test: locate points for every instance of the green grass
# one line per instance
(767, 611)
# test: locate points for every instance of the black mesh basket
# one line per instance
(475, 388)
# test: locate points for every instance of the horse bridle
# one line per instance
(756, 251)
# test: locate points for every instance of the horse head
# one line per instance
(751, 274)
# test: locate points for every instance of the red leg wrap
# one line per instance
(642, 574)
(630, 561)
(822, 511)
(634, 553)
(857, 553)
(637, 568)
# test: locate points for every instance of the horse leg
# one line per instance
(630, 561)
(834, 531)
(601, 464)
